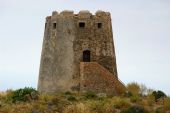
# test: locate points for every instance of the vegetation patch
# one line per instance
(25, 94)
(90, 95)
(135, 100)
(135, 109)
(71, 98)
(158, 94)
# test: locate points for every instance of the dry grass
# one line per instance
(77, 108)
(16, 108)
(79, 103)
(120, 102)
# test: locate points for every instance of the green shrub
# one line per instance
(68, 93)
(158, 94)
(135, 109)
(71, 98)
(90, 95)
(25, 94)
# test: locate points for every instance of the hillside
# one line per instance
(138, 99)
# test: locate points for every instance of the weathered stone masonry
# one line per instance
(70, 39)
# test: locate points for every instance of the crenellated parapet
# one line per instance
(100, 13)
(81, 14)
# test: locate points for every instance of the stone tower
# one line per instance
(78, 54)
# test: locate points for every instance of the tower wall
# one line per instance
(63, 46)
(57, 53)
(99, 41)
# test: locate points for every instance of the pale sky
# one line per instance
(141, 30)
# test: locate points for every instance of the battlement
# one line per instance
(81, 14)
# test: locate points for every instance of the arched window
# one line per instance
(86, 56)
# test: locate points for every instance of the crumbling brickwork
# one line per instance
(100, 80)
(70, 39)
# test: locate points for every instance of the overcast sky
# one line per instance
(141, 31)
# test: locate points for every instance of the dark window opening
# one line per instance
(81, 24)
(54, 25)
(86, 56)
(99, 25)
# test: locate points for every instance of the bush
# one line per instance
(71, 98)
(135, 109)
(158, 94)
(68, 93)
(25, 94)
(90, 95)
(133, 88)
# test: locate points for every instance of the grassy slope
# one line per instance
(81, 103)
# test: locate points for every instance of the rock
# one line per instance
(101, 95)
